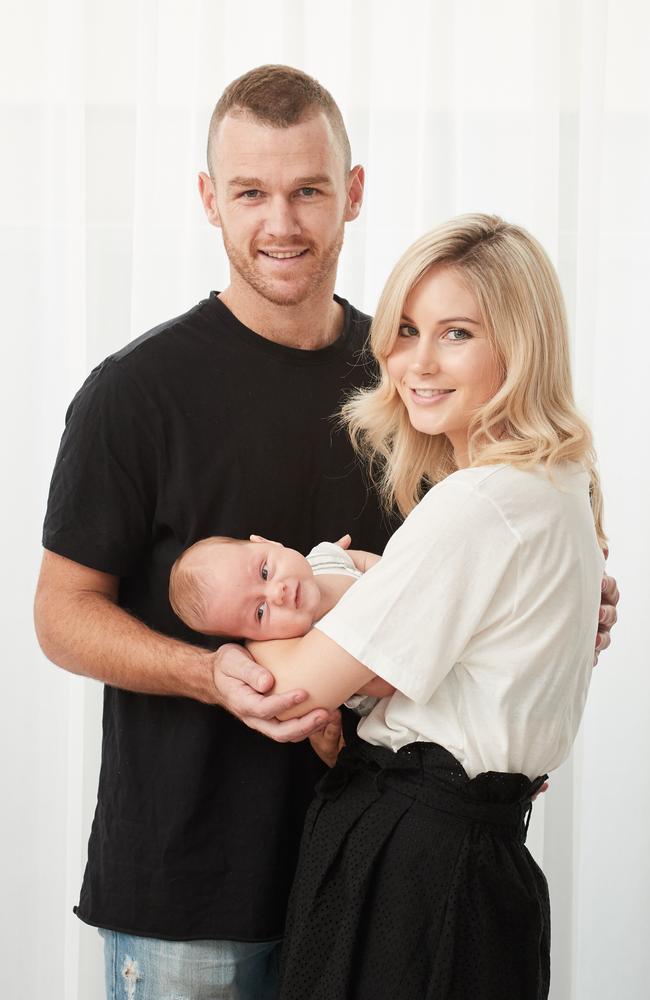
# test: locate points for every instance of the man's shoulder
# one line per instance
(152, 363)
(170, 335)
(357, 321)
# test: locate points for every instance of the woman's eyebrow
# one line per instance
(449, 319)
(459, 319)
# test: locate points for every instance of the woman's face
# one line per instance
(442, 363)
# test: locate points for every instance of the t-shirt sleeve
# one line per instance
(103, 490)
(442, 579)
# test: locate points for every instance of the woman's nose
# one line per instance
(425, 359)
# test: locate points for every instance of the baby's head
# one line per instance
(245, 590)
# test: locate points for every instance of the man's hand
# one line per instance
(607, 615)
(328, 742)
(243, 686)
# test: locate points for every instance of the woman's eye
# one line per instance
(264, 572)
(457, 333)
(260, 612)
(407, 331)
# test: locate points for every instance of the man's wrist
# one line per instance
(198, 676)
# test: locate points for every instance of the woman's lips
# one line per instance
(429, 397)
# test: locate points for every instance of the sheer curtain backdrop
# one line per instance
(538, 110)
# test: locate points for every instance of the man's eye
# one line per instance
(308, 192)
(457, 333)
(251, 195)
(264, 572)
(260, 612)
(407, 331)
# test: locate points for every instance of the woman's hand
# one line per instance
(377, 688)
(328, 742)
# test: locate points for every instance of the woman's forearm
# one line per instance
(314, 663)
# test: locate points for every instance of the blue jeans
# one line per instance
(139, 968)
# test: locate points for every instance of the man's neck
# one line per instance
(309, 325)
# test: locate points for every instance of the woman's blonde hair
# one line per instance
(532, 418)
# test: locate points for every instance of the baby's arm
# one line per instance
(363, 560)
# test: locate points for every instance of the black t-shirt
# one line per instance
(202, 427)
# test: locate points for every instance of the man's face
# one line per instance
(260, 590)
(281, 197)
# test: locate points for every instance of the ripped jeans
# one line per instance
(139, 968)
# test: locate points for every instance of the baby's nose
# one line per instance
(279, 591)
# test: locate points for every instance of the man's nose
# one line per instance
(281, 220)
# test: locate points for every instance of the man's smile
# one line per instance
(283, 254)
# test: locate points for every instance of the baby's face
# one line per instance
(260, 590)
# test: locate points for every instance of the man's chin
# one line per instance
(282, 293)
(279, 298)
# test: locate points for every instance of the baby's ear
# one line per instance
(260, 538)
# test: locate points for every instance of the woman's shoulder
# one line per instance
(498, 481)
(514, 492)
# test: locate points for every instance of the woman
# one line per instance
(414, 880)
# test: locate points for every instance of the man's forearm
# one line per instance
(87, 633)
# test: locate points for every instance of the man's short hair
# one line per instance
(279, 96)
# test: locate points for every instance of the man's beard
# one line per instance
(319, 274)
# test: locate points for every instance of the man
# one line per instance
(215, 423)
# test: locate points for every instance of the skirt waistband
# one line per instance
(428, 773)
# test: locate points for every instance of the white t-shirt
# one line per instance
(483, 614)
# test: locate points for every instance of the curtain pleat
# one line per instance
(539, 111)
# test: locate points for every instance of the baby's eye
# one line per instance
(260, 612)
(264, 572)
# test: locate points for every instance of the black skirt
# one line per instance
(414, 883)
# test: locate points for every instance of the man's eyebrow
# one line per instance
(297, 182)
(246, 182)
(313, 180)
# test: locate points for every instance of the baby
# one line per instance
(259, 589)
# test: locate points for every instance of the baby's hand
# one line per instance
(377, 688)
(344, 542)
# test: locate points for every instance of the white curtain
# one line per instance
(535, 109)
